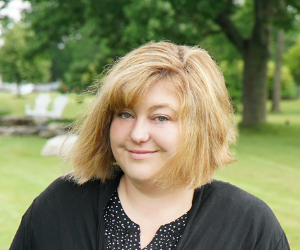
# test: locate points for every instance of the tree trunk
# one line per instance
(276, 96)
(256, 52)
(18, 90)
(256, 55)
(254, 85)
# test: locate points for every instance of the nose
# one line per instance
(140, 132)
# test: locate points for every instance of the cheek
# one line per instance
(168, 139)
(118, 131)
(114, 132)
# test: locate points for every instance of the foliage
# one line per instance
(80, 75)
(233, 73)
(83, 66)
(288, 85)
(107, 31)
(244, 18)
(15, 65)
(122, 26)
(61, 59)
(292, 60)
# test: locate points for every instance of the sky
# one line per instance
(13, 10)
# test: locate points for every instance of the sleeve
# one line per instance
(226, 217)
(283, 243)
(63, 216)
(22, 239)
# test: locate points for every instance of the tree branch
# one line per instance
(231, 31)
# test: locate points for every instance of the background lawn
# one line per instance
(268, 167)
(24, 173)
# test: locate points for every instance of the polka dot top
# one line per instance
(122, 233)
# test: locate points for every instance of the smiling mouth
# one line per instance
(140, 155)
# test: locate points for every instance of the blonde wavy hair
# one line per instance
(205, 115)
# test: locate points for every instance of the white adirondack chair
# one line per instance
(40, 105)
(58, 106)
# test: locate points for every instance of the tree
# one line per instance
(255, 52)
(288, 87)
(276, 95)
(126, 24)
(15, 66)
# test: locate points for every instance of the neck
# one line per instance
(148, 202)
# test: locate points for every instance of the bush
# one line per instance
(292, 60)
(233, 74)
(288, 85)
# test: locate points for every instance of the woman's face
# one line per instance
(144, 136)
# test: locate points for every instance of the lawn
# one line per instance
(268, 167)
(24, 173)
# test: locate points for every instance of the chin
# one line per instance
(140, 176)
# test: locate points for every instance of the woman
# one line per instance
(144, 162)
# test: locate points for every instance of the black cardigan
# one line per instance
(223, 217)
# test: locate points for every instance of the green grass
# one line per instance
(268, 167)
(24, 173)
(290, 113)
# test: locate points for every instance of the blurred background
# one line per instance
(52, 50)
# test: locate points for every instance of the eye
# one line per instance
(161, 118)
(125, 115)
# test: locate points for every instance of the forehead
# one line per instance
(154, 90)
(160, 95)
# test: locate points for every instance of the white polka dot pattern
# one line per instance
(122, 233)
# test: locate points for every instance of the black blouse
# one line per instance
(122, 233)
(67, 216)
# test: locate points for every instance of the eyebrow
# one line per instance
(161, 106)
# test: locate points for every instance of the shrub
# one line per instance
(292, 60)
(233, 73)
(288, 85)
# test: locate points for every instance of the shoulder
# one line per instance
(66, 192)
(63, 202)
(63, 191)
(65, 184)
(232, 213)
(236, 201)
(225, 191)
(65, 214)
(53, 219)
(65, 195)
